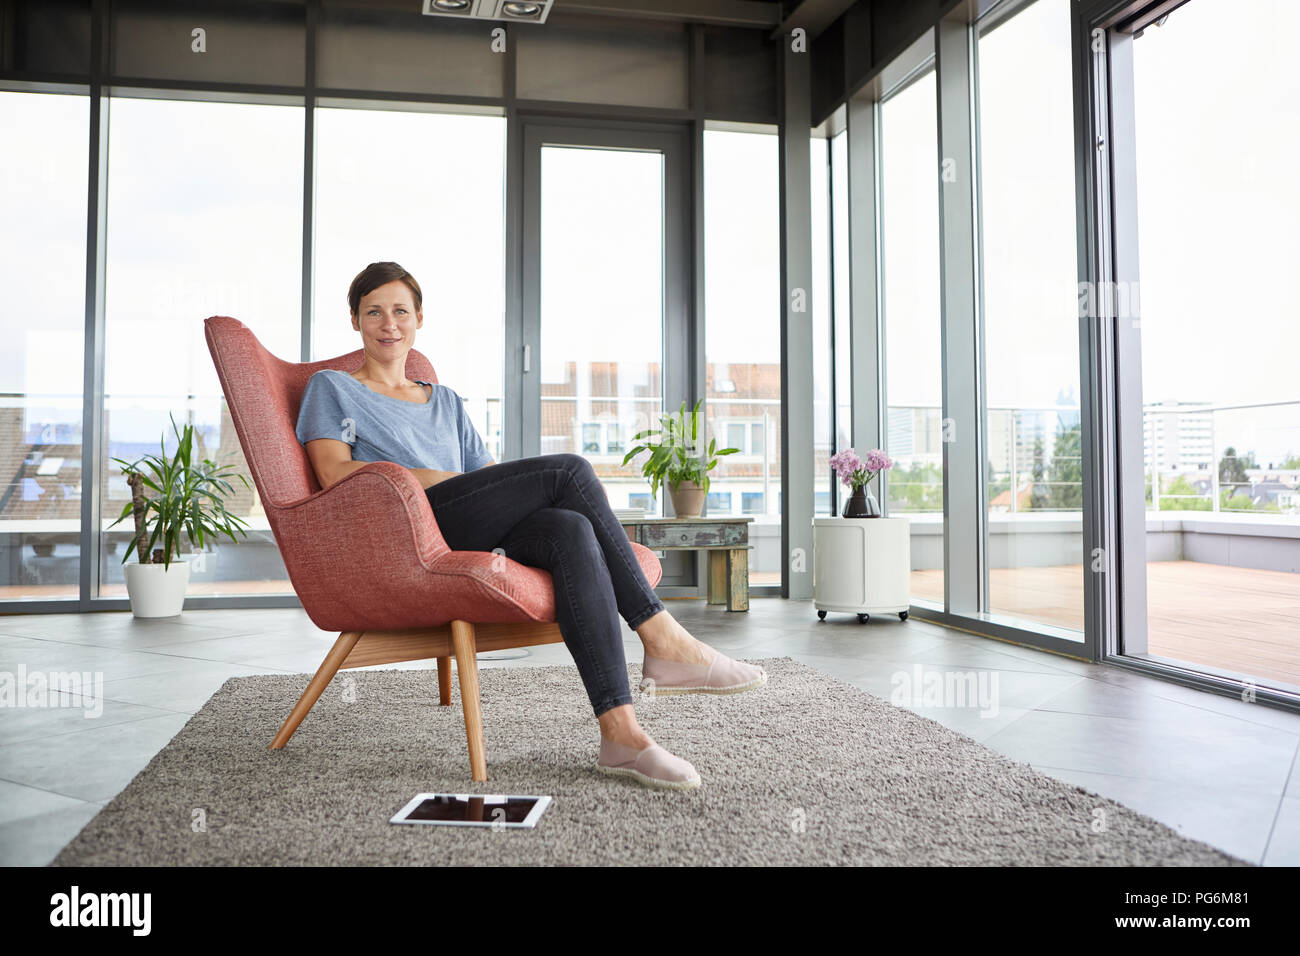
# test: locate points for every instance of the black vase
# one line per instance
(861, 504)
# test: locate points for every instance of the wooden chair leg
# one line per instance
(444, 680)
(462, 641)
(328, 668)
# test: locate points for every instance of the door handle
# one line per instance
(528, 356)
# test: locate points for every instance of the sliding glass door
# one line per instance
(598, 282)
(1210, 343)
(909, 235)
(1034, 465)
(204, 218)
(43, 193)
(447, 231)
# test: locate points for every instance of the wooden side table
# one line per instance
(725, 539)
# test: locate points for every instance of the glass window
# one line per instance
(743, 323)
(614, 438)
(446, 230)
(736, 436)
(1034, 480)
(756, 434)
(913, 383)
(591, 439)
(602, 242)
(42, 317)
(204, 218)
(1217, 247)
(823, 439)
(843, 313)
(742, 319)
(719, 502)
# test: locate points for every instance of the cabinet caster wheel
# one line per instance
(902, 615)
(821, 615)
(863, 618)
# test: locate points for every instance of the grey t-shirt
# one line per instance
(437, 434)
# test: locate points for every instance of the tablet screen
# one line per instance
(473, 809)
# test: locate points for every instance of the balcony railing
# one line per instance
(1190, 448)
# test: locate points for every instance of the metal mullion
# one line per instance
(876, 331)
(566, 109)
(1096, 349)
(229, 92)
(797, 425)
(1118, 164)
(308, 183)
(696, 328)
(1005, 628)
(530, 161)
(411, 96)
(513, 418)
(981, 410)
(38, 82)
(965, 519)
(833, 399)
(92, 387)
(866, 334)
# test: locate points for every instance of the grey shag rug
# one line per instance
(807, 770)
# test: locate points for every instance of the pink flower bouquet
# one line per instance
(856, 472)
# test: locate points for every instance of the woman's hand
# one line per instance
(428, 477)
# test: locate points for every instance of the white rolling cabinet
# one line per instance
(862, 565)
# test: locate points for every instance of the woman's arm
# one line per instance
(428, 477)
(332, 460)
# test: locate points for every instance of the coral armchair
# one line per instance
(365, 556)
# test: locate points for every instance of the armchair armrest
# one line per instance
(365, 540)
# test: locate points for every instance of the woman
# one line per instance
(549, 511)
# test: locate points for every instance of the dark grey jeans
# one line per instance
(551, 512)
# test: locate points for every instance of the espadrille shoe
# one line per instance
(653, 766)
(721, 675)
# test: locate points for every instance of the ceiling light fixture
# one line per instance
(516, 11)
(513, 9)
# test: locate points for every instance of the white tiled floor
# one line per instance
(1212, 767)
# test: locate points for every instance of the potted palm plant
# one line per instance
(187, 500)
(675, 459)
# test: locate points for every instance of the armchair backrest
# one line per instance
(264, 393)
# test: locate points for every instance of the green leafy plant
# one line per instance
(674, 457)
(188, 497)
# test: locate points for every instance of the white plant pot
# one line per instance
(155, 590)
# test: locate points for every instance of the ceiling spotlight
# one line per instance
(517, 11)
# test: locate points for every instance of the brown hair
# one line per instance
(376, 274)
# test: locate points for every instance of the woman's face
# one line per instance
(387, 321)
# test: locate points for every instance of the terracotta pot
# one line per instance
(688, 499)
